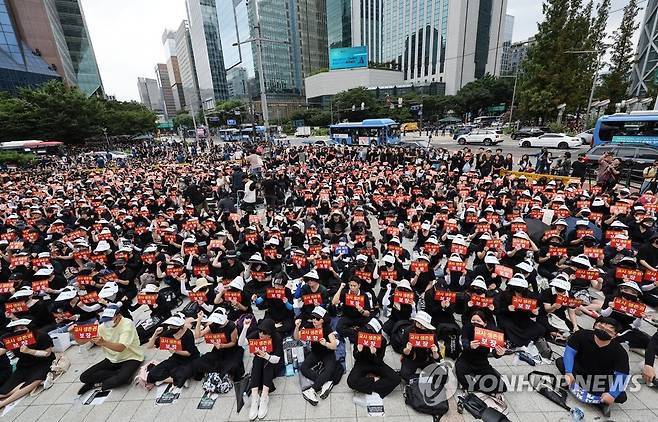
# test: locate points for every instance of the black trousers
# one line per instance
(262, 374)
(109, 374)
(621, 398)
(361, 378)
(486, 380)
(635, 338)
(228, 363)
(319, 378)
(410, 367)
(346, 327)
(179, 370)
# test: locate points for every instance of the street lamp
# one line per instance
(511, 108)
(596, 76)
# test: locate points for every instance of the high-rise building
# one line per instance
(517, 53)
(450, 41)
(356, 22)
(207, 47)
(162, 76)
(150, 95)
(20, 66)
(507, 45)
(171, 53)
(646, 56)
(58, 30)
(187, 68)
(312, 33)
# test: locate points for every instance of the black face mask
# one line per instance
(478, 292)
(602, 335)
(516, 289)
(477, 324)
(629, 296)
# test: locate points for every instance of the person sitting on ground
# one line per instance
(119, 341)
(225, 357)
(415, 356)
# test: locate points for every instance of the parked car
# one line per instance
(303, 132)
(464, 130)
(527, 132)
(551, 140)
(634, 157)
(479, 136)
(587, 136)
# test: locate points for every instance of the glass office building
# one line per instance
(187, 67)
(339, 23)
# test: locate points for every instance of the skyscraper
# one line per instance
(646, 56)
(150, 95)
(171, 53)
(162, 76)
(207, 47)
(505, 58)
(356, 22)
(58, 30)
(19, 65)
(187, 68)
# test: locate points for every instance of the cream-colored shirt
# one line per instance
(126, 334)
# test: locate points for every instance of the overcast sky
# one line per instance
(126, 35)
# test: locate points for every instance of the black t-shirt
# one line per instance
(594, 360)
(43, 342)
(649, 254)
(477, 358)
(319, 350)
(187, 344)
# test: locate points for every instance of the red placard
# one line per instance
(455, 266)
(196, 296)
(421, 265)
(580, 233)
(98, 258)
(40, 285)
(587, 274)
(450, 227)
(369, 339)
(520, 243)
(421, 340)
(569, 302)
(236, 296)
(89, 298)
(482, 227)
(82, 255)
(85, 332)
(650, 276)
(260, 345)
(471, 219)
(10, 236)
(174, 271)
(215, 244)
(108, 236)
(40, 262)
(355, 300)
(480, 301)
(431, 248)
(15, 342)
(311, 334)
(628, 274)
(254, 219)
(395, 249)
(594, 253)
(557, 251)
(312, 299)
(314, 249)
(359, 238)
(489, 338)
(392, 231)
(524, 303)
(215, 338)
(388, 275)
(148, 258)
(275, 293)
(494, 244)
(191, 250)
(16, 245)
(323, 264)
(190, 225)
(16, 307)
(628, 307)
(403, 298)
(171, 344)
(460, 249)
(250, 237)
(17, 261)
(271, 253)
(519, 227)
(503, 271)
(442, 295)
(625, 243)
(84, 280)
(364, 275)
(200, 270)
(299, 260)
(170, 238)
(6, 287)
(147, 298)
(258, 275)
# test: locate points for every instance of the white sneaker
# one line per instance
(326, 389)
(253, 410)
(262, 406)
(187, 384)
(311, 396)
(48, 382)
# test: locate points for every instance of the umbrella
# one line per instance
(450, 119)
(536, 229)
(571, 226)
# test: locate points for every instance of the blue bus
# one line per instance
(367, 132)
(639, 127)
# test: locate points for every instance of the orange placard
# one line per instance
(148, 258)
(580, 233)
(569, 302)
(594, 253)
(557, 251)
(355, 300)
(312, 299)
(442, 295)
(524, 303)
(38, 286)
(81, 255)
(236, 296)
(589, 275)
(15, 342)
(369, 339)
(388, 275)
(311, 334)
(421, 340)
(200, 270)
(16, 307)
(215, 338)
(550, 233)
(323, 264)
(650, 276)
(403, 298)
(494, 244)
(250, 237)
(624, 243)
(40, 262)
(628, 307)
(299, 260)
(191, 250)
(431, 248)
(6, 287)
(275, 293)
(260, 345)
(489, 338)
(84, 280)
(459, 249)
(479, 301)
(174, 271)
(147, 298)
(17, 261)
(196, 296)
(394, 249)
(503, 271)
(85, 332)
(629, 274)
(89, 298)
(455, 266)
(254, 219)
(364, 275)
(421, 265)
(519, 243)
(519, 227)
(271, 253)
(171, 344)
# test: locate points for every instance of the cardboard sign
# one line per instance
(6, 287)
(16, 307)
(402, 297)
(421, 265)
(628, 307)
(171, 344)
(489, 338)
(459, 249)
(196, 296)
(557, 251)
(200, 270)
(442, 295)
(480, 301)
(15, 342)
(628, 274)
(355, 300)
(650, 276)
(569, 302)
(421, 340)
(276, 293)
(85, 332)
(260, 345)
(323, 264)
(84, 280)
(594, 253)
(369, 339)
(524, 303)
(236, 296)
(589, 275)
(503, 271)
(312, 299)
(215, 338)
(40, 285)
(311, 334)
(147, 298)
(519, 243)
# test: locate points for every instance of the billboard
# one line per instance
(348, 58)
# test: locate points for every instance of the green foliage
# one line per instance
(184, 120)
(54, 111)
(556, 127)
(476, 96)
(14, 157)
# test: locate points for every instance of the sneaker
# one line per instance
(253, 410)
(48, 382)
(326, 389)
(85, 388)
(262, 406)
(310, 396)
(605, 409)
(187, 384)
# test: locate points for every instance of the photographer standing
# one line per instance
(650, 177)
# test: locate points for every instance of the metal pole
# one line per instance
(196, 134)
(591, 94)
(261, 79)
(511, 108)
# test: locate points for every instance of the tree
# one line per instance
(476, 96)
(616, 83)
(344, 101)
(183, 119)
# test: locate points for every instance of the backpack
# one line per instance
(143, 373)
(215, 383)
(450, 334)
(415, 398)
(399, 335)
(171, 299)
